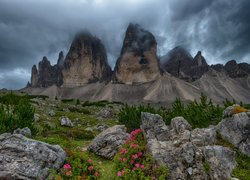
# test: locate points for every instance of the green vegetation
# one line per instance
(132, 161)
(130, 116)
(15, 112)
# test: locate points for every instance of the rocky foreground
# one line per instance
(188, 153)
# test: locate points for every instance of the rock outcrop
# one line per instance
(47, 75)
(138, 62)
(65, 121)
(181, 64)
(236, 130)
(107, 143)
(23, 158)
(189, 154)
(85, 62)
(233, 69)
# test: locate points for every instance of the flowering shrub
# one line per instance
(78, 168)
(131, 162)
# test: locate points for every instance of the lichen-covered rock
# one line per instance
(185, 151)
(138, 62)
(106, 113)
(236, 130)
(25, 131)
(229, 111)
(23, 158)
(65, 121)
(85, 62)
(107, 143)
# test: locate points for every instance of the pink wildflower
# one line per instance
(91, 168)
(124, 151)
(139, 154)
(137, 165)
(89, 161)
(96, 174)
(123, 171)
(119, 173)
(134, 156)
(68, 173)
(66, 166)
(124, 159)
(132, 162)
(142, 166)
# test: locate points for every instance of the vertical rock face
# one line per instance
(85, 62)
(48, 75)
(138, 62)
(181, 64)
(178, 62)
(34, 76)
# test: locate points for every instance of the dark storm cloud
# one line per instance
(30, 29)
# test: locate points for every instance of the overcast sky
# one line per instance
(31, 29)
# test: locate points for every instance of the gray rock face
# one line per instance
(181, 64)
(236, 130)
(65, 121)
(25, 131)
(86, 62)
(107, 143)
(186, 152)
(23, 158)
(138, 62)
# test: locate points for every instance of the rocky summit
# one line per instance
(85, 62)
(138, 62)
(138, 74)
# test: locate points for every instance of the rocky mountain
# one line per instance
(138, 74)
(138, 62)
(85, 62)
(46, 75)
(181, 64)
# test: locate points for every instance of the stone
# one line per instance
(108, 142)
(86, 62)
(25, 131)
(51, 113)
(23, 158)
(138, 62)
(236, 130)
(34, 76)
(106, 113)
(229, 111)
(65, 121)
(185, 151)
(179, 124)
(101, 127)
(221, 161)
(36, 117)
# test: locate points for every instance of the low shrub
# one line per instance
(130, 116)
(199, 114)
(16, 112)
(77, 167)
(132, 162)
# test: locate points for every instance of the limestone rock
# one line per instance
(34, 76)
(236, 130)
(23, 158)
(185, 151)
(65, 121)
(36, 117)
(107, 143)
(229, 111)
(106, 113)
(85, 62)
(25, 131)
(138, 62)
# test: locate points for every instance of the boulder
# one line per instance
(185, 151)
(36, 117)
(229, 111)
(25, 131)
(51, 113)
(138, 62)
(106, 113)
(107, 143)
(65, 121)
(23, 158)
(236, 130)
(86, 62)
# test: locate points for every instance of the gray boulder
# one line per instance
(107, 143)
(25, 131)
(36, 117)
(51, 113)
(236, 130)
(23, 158)
(184, 151)
(229, 111)
(106, 113)
(65, 121)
